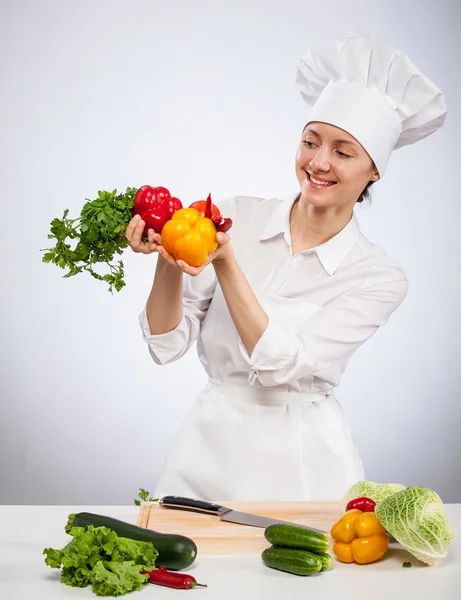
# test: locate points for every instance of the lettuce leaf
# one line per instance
(117, 578)
(98, 556)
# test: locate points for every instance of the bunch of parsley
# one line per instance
(99, 236)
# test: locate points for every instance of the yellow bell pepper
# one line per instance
(189, 237)
(359, 537)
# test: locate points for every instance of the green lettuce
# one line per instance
(98, 556)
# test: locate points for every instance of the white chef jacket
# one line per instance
(268, 426)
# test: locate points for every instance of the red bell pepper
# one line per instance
(155, 206)
(363, 503)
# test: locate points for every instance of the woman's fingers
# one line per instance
(134, 233)
(185, 268)
(136, 238)
(222, 238)
(151, 245)
(131, 227)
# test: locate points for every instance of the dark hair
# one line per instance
(366, 194)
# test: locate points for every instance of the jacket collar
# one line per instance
(331, 253)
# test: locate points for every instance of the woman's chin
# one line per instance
(320, 199)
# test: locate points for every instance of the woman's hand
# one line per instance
(134, 233)
(223, 250)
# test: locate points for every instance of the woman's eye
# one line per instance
(308, 144)
(343, 154)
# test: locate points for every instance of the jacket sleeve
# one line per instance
(331, 335)
(171, 346)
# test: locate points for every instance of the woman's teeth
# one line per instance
(316, 181)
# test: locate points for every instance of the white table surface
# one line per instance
(24, 575)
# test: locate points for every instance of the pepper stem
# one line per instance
(195, 584)
(208, 210)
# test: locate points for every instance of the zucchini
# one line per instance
(174, 551)
(326, 559)
(298, 562)
(291, 536)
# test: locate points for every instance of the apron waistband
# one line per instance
(263, 395)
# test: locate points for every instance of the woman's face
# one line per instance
(332, 167)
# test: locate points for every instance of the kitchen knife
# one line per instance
(224, 513)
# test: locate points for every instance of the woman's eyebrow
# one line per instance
(309, 130)
(313, 132)
(346, 142)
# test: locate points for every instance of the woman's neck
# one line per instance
(311, 226)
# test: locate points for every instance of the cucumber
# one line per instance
(291, 536)
(326, 559)
(174, 551)
(298, 562)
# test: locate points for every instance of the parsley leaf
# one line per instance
(144, 495)
(99, 238)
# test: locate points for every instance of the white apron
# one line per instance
(238, 444)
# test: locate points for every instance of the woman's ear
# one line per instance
(375, 176)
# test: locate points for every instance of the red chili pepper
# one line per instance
(211, 211)
(155, 206)
(174, 580)
(222, 223)
(363, 503)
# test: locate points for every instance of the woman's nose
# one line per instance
(321, 161)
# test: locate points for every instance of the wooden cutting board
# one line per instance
(214, 536)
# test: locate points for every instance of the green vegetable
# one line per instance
(99, 235)
(326, 559)
(417, 520)
(144, 495)
(298, 562)
(406, 564)
(97, 556)
(174, 551)
(291, 536)
(370, 489)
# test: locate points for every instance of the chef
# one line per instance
(290, 293)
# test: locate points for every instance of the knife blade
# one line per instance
(225, 513)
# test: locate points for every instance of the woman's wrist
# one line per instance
(165, 266)
(224, 262)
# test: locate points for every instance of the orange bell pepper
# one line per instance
(359, 537)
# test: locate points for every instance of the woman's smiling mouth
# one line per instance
(317, 183)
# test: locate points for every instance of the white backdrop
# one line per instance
(200, 97)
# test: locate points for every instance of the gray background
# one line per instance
(200, 97)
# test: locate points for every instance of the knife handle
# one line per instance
(181, 503)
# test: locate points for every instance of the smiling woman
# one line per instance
(333, 169)
(279, 312)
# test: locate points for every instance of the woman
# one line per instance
(278, 311)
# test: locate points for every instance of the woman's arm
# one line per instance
(176, 307)
(247, 314)
(165, 303)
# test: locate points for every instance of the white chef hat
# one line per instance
(373, 92)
